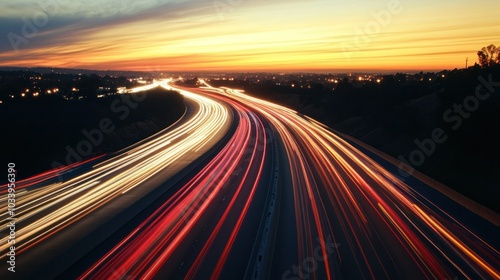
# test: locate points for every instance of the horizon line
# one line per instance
(274, 71)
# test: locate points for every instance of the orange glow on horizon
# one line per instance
(281, 36)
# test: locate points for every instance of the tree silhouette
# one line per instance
(489, 56)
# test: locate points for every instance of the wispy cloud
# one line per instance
(258, 34)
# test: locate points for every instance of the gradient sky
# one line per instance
(247, 35)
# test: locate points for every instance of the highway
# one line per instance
(274, 195)
(353, 219)
(198, 227)
(47, 214)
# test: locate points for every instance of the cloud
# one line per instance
(86, 9)
(63, 22)
(253, 33)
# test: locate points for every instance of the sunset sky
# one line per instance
(247, 35)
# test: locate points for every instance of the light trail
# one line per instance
(234, 172)
(338, 192)
(48, 209)
(333, 182)
(382, 228)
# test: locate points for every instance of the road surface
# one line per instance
(275, 195)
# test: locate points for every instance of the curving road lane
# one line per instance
(275, 195)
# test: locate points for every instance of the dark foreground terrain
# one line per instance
(41, 133)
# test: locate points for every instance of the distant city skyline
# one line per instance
(229, 35)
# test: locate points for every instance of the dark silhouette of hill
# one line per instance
(41, 131)
(399, 114)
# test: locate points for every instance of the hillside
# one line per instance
(39, 132)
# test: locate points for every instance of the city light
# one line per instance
(232, 139)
